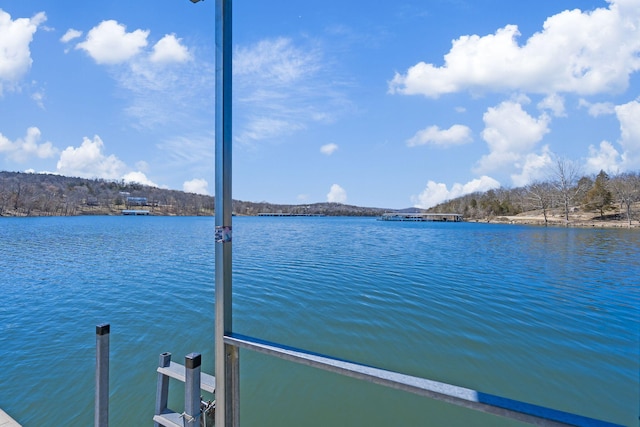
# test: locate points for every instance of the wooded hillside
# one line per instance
(27, 194)
(566, 193)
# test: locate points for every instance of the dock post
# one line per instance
(162, 390)
(192, 364)
(101, 417)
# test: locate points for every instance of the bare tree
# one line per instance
(626, 187)
(540, 196)
(584, 185)
(566, 176)
(17, 188)
(5, 194)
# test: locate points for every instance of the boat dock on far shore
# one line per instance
(421, 217)
(287, 214)
(135, 212)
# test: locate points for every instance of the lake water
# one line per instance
(545, 315)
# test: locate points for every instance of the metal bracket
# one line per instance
(223, 234)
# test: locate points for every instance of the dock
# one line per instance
(421, 217)
(287, 214)
(135, 212)
(7, 421)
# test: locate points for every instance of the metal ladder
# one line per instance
(195, 381)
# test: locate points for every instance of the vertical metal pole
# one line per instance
(101, 416)
(226, 357)
(162, 389)
(192, 364)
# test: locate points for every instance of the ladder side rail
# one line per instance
(162, 388)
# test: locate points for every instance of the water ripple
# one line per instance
(548, 316)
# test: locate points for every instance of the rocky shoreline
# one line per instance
(583, 221)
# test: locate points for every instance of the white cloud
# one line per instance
(109, 43)
(281, 90)
(28, 147)
(329, 149)
(15, 38)
(579, 52)
(138, 177)
(553, 103)
(165, 93)
(435, 193)
(609, 158)
(169, 49)
(511, 133)
(598, 108)
(260, 128)
(71, 34)
(189, 152)
(337, 194)
(276, 60)
(38, 97)
(629, 117)
(142, 166)
(197, 185)
(89, 161)
(433, 135)
(535, 167)
(164, 82)
(605, 158)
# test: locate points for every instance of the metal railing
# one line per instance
(460, 396)
(195, 380)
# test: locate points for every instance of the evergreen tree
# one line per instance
(599, 197)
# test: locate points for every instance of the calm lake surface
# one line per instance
(545, 315)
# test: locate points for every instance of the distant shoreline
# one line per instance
(556, 221)
(578, 221)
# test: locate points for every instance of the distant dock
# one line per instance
(288, 214)
(421, 217)
(130, 212)
(7, 421)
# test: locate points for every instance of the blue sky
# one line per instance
(381, 104)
